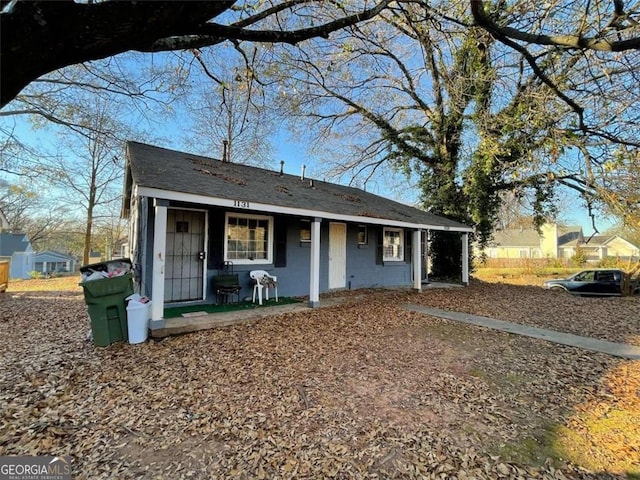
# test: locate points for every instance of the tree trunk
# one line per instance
(89, 224)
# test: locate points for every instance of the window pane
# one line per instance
(393, 245)
(247, 238)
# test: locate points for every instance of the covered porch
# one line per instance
(416, 256)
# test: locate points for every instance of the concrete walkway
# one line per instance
(616, 349)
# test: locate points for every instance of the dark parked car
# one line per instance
(593, 282)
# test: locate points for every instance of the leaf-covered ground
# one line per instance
(365, 389)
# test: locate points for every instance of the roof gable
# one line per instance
(11, 243)
(172, 171)
(604, 240)
(50, 255)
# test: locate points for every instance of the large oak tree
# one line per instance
(38, 37)
(468, 110)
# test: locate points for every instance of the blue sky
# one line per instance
(170, 133)
(294, 154)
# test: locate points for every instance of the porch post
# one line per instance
(159, 250)
(425, 264)
(465, 258)
(314, 271)
(416, 259)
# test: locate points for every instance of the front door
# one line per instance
(185, 255)
(337, 255)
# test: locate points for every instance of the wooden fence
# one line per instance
(4, 276)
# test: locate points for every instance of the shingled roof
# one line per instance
(516, 237)
(11, 243)
(159, 170)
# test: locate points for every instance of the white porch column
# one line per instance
(159, 249)
(416, 259)
(465, 258)
(314, 271)
(427, 262)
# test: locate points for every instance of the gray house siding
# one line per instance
(293, 279)
(363, 267)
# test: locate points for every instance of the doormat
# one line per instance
(194, 314)
(175, 312)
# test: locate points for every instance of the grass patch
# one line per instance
(617, 435)
(66, 283)
(519, 271)
(536, 450)
(174, 312)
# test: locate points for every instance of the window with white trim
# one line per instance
(249, 239)
(393, 245)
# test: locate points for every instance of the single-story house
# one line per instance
(17, 249)
(192, 217)
(597, 247)
(556, 241)
(50, 261)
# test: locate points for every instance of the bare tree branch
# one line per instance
(577, 41)
(38, 37)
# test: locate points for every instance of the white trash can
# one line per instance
(138, 315)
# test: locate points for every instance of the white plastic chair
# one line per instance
(263, 280)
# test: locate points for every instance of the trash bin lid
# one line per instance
(104, 266)
(137, 305)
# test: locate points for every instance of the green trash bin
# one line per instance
(105, 299)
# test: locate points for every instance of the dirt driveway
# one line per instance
(365, 389)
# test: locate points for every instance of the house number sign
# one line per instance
(240, 203)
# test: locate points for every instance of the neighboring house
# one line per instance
(191, 214)
(94, 257)
(16, 248)
(556, 241)
(121, 250)
(50, 261)
(598, 247)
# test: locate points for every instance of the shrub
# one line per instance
(579, 258)
(609, 262)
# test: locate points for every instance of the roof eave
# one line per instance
(301, 212)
